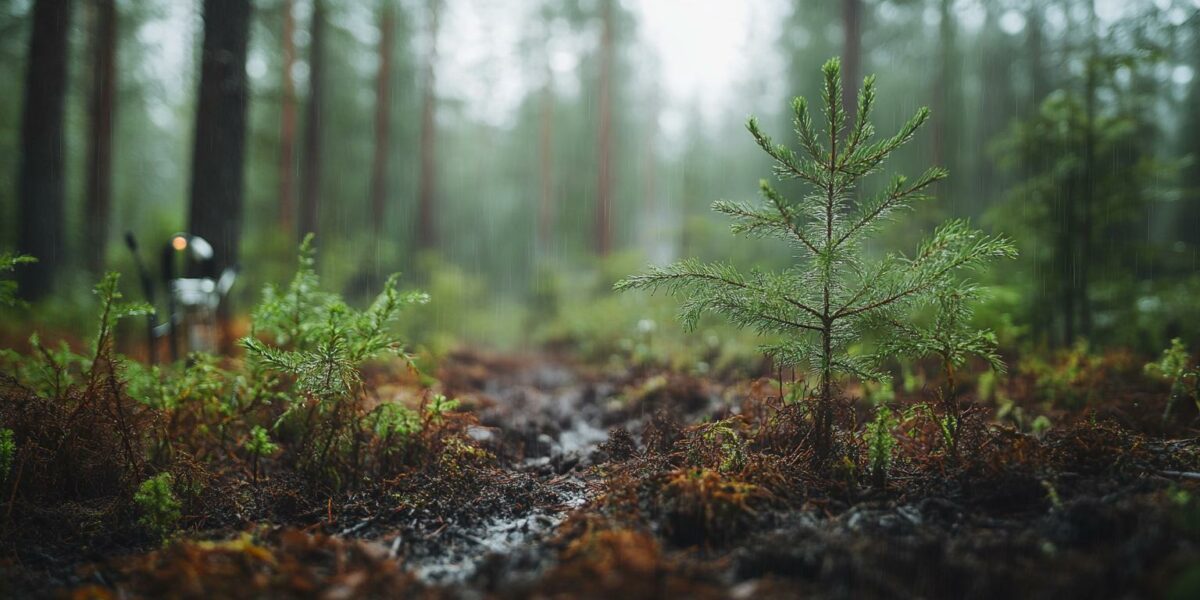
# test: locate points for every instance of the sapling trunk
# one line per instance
(951, 408)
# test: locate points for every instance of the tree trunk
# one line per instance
(1085, 252)
(649, 218)
(603, 221)
(1043, 313)
(310, 194)
(851, 56)
(218, 168)
(1188, 219)
(40, 176)
(101, 112)
(426, 196)
(383, 118)
(1036, 40)
(546, 166)
(287, 125)
(947, 102)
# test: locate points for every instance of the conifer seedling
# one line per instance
(949, 337)
(834, 293)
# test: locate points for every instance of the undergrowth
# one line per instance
(100, 451)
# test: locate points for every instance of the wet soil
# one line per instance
(596, 491)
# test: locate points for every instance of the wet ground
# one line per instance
(1107, 531)
(621, 484)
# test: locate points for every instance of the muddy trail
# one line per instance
(548, 421)
(618, 520)
(570, 480)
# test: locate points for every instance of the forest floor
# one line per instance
(639, 483)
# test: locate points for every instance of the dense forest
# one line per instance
(834, 298)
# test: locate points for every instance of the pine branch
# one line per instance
(954, 246)
(865, 160)
(894, 197)
(787, 165)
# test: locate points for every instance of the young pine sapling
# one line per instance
(258, 445)
(950, 337)
(159, 508)
(822, 304)
(321, 344)
(880, 445)
(1175, 367)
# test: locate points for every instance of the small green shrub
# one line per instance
(1175, 367)
(8, 288)
(319, 345)
(880, 444)
(157, 504)
(438, 407)
(51, 371)
(396, 422)
(1068, 378)
(8, 452)
(950, 337)
(1040, 426)
(259, 445)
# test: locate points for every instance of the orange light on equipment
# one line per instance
(179, 242)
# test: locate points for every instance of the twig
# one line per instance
(1182, 474)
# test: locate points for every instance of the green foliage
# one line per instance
(732, 446)
(825, 303)
(259, 443)
(50, 371)
(319, 340)
(159, 508)
(1040, 426)
(438, 407)
(8, 288)
(1174, 366)
(949, 334)
(8, 452)
(950, 337)
(880, 444)
(319, 345)
(1069, 377)
(1090, 178)
(396, 422)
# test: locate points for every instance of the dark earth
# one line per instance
(606, 482)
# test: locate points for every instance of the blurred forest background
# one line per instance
(515, 157)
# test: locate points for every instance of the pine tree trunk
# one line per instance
(427, 237)
(287, 125)
(604, 176)
(383, 118)
(1188, 217)
(40, 177)
(101, 112)
(310, 193)
(546, 167)
(823, 421)
(1089, 176)
(1036, 47)
(947, 105)
(218, 168)
(1042, 314)
(851, 56)
(649, 218)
